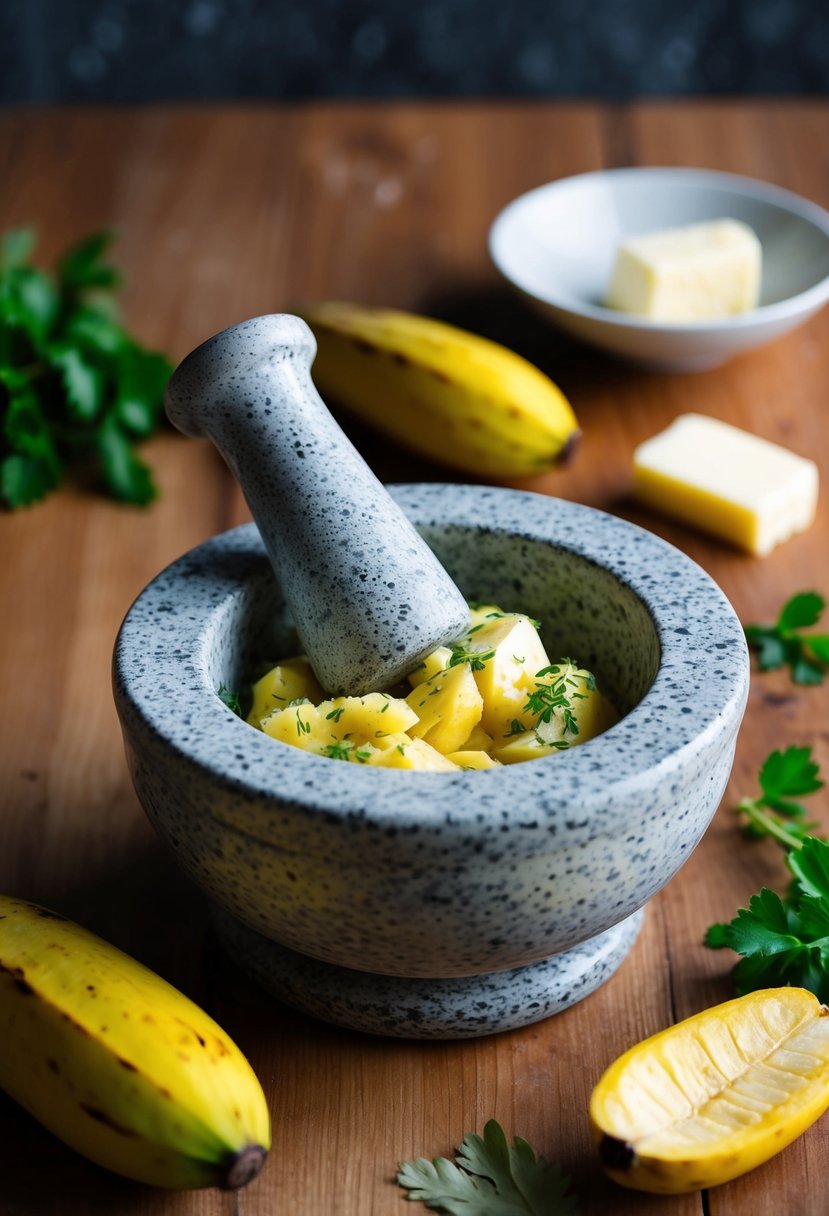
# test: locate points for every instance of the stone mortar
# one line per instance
(440, 904)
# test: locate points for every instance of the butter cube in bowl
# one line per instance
(700, 272)
(677, 269)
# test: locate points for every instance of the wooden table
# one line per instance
(224, 213)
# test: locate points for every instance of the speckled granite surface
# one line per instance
(442, 875)
(369, 598)
(137, 50)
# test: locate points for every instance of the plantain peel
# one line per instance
(120, 1065)
(452, 396)
(716, 1095)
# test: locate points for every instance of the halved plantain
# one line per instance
(715, 1095)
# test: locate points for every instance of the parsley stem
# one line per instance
(769, 825)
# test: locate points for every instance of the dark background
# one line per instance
(143, 50)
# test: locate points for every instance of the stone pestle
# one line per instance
(368, 597)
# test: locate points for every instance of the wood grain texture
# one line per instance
(227, 212)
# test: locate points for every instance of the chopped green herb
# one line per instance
(73, 383)
(477, 659)
(559, 744)
(335, 713)
(489, 1178)
(518, 658)
(546, 699)
(302, 728)
(362, 754)
(515, 728)
(785, 644)
(230, 699)
(339, 750)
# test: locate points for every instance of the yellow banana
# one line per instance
(716, 1095)
(118, 1063)
(451, 395)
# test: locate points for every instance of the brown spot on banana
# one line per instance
(100, 1116)
(364, 347)
(19, 979)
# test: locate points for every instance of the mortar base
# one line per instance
(457, 1008)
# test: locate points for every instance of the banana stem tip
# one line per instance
(244, 1167)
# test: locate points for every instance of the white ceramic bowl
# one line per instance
(558, 243)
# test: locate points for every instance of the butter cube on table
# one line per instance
(701, 272)
(726, 481)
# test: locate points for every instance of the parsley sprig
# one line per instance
(489, 1178)
(784, 643)
(784, 776)
(75, 387)
(784, 941)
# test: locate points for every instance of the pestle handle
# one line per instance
(368, 597)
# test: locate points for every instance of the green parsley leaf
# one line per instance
(73, 383)
(82, 382)
(127, 478)
(142, 376)
(801, 611)
(783, 644)
(489, 1178)
(784, 941)
(81, 266)
(25, 479)
(789, 774)
(784, 775)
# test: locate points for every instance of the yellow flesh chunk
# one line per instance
(506, 678)
(478, 741)
(291, 680)
(431, 665)
(473, 759)
(413, 754)
(448, 707)
(718, 1094)
(369, 717)
(475, 711)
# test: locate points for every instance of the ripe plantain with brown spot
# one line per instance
(450, 395)
(119, 1064)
